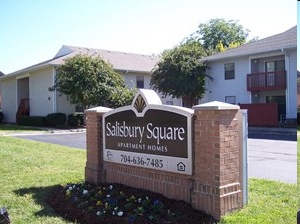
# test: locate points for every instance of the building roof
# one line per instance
(121, 61)
(278, 42)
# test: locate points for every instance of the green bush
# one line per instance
(1, 116)
(37, 121)
(56, 119)
(76, 119)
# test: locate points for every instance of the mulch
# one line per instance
(184, 213)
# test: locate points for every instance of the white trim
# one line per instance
(287, 95)
(265, 55)
(23, 76)
(16, 95)
(54, 106)
(249, 72)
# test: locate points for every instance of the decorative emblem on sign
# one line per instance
(139, 104)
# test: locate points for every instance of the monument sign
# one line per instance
(149, 134)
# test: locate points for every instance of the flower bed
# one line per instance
(116, 203)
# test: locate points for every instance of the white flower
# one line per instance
(98, 213)
(108, 196)
(139, 200)
(85, 192)
(110, 187)
(120, 213)
(70, 188)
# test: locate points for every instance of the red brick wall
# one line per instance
(171, 185)
(217, 170)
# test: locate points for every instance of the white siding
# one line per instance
(218, 88)
(41, 99)
(8, 91)
(63, 105)
(291, 92)
(130, 81)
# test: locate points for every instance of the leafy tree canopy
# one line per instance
(180, 72)
(89, 80)
(219, 34)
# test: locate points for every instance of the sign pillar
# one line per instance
(217, 187)
(94, 170)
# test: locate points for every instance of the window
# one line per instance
(229, 71)
(140, 82)
(272, 66)
(230, 99)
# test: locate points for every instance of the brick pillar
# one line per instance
(94, 172)
(217, 186)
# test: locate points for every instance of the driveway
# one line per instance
(267, 158)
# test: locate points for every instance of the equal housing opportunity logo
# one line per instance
(149, 134)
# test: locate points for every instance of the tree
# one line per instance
(88, 80)
(219, 34)
(180, 72)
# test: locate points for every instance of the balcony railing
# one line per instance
(266, 81)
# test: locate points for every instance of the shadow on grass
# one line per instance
(40, 195)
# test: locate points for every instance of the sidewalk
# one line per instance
(57, 131)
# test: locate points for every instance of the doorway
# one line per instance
(281, 104)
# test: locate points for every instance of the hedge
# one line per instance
(76, 119)
(1, 116)
(38, 121)
(55, 119)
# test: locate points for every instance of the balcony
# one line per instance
(266, 81)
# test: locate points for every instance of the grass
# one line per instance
(298, 166)
(12, 128)
(269, 202)
(30, 170)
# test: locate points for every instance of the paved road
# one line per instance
(73, 139)
(273, 159)
(267, 158)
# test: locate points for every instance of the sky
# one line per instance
(32, 31)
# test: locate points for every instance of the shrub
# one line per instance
(1, 116)
(37, 121)
(298, 118)
(56, 119)
(76, 119)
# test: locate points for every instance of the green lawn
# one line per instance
(6, 129)
(29, 171)
(298, 167)
(269, 202)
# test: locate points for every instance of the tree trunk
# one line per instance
(189, 102)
